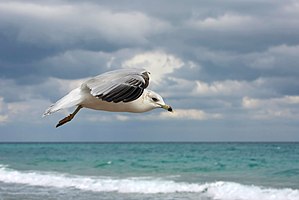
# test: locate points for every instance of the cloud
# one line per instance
(3, 118)
(225, 22)
(250, 103)
(65, 85)
(275, 54)
(189, 114)
(3, 115)
(279, 59)
(178, 114)
(291, 8)
(158, 63)
(21, 111)
(280, 107)
(227, 87)
(74, 64)
(35, 35)
(257, 103)
(217, 61)
(71, 23)
(233, 88)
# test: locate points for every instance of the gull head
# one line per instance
(156, 101)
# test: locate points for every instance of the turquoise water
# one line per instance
(150, 171)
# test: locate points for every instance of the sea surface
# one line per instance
(202, 171)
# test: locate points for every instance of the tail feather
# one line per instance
(71, 99)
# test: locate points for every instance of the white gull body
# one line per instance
(115, 91)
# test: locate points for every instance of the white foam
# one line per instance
(230, 190)
(216, 190)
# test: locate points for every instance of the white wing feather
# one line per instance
(119, 85)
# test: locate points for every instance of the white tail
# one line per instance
(71, 99)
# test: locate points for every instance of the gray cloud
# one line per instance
(33, 32)
(220, 55)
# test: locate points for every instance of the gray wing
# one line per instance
(121, 85)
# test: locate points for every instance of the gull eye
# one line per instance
(155, 99)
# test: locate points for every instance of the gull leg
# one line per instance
(69, 118)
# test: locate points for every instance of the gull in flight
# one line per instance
(121, 90)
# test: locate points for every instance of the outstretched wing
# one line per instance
(121, 85)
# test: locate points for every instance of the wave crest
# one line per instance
(145, 185)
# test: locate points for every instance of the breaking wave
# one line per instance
(145, 185)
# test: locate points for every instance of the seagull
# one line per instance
(122, 90)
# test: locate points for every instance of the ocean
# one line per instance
(201, 171)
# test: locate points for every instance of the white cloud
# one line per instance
(227, 87)
(98, 118)
(257, 103)
(156, 62)
(22, 111)
(280, 107)
(28, 102)
(3, 119)
(15, 108)
(228, 21)
(122, 117)
(189, 114)
(3, 115)
(262, 86)
(250, 102)
(178, 114)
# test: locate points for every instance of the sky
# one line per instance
(229, 69)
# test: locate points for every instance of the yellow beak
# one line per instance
(167, 107)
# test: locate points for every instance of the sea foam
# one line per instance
(145, 185)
